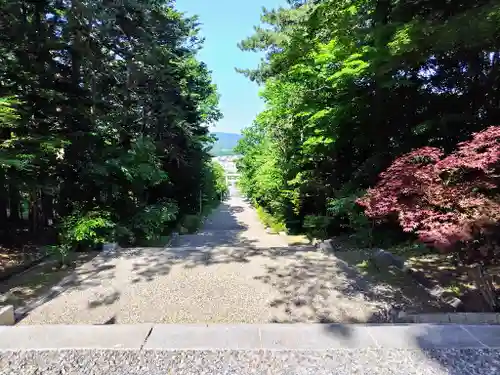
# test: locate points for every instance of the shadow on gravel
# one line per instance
(322, 288)
(449, 350)
(224, 218)
(317, 288)
(312, 286)
(39, 286)
(103, 300)
(44, 282)
(441, 349)
(241, 254)
(91, 270)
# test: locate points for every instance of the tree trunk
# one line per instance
(48, 210)
(3, 201)
(35, 211)
(14, 204)
(484, 285)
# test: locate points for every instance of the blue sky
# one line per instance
(224, 24)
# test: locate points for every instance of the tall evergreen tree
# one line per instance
(113, 113)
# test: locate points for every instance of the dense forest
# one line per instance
(381, 121)
(104, 121)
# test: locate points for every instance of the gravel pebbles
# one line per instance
(241, 274)
(381, 362)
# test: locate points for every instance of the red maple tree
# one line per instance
(451, 202)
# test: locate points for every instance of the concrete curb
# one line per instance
(7, 315)
(453, 318)
(249, 337)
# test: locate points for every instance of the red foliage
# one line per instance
(442, 199)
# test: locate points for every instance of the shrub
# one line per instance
(276, 224)
(150, 223)
(317, 226)
(83, 231)
(191, 223)
(219, 180)
(347, 214)
(125, 235)
(449, 202)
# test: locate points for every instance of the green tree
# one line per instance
(350, 85)
(113, 110)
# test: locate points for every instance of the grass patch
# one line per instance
(364, 265)
(297, 240)
(399, 287)
(268, 220)
(11, 258)
(409, 250)
(454, 289)
(439, 269)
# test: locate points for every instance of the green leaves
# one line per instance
(402, 40)
(152, 219)
(320, 115)
(86, 228)
(107, 107)
(352, 67)
(315, 141)
(349, 85)
(8, 114)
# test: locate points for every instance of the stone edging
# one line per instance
(7, 315)
(383, 258)
(173, 237)
(454, 318)
(249, 336)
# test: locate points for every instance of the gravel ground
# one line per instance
(373, 362)
(230, 272)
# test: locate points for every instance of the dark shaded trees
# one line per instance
(113, 113)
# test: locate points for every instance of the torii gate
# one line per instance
(231, 178)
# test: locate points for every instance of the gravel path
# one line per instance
(230, 272)
(359, 361)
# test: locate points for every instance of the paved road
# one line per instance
(230, 272)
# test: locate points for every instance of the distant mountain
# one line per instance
(225, 143)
